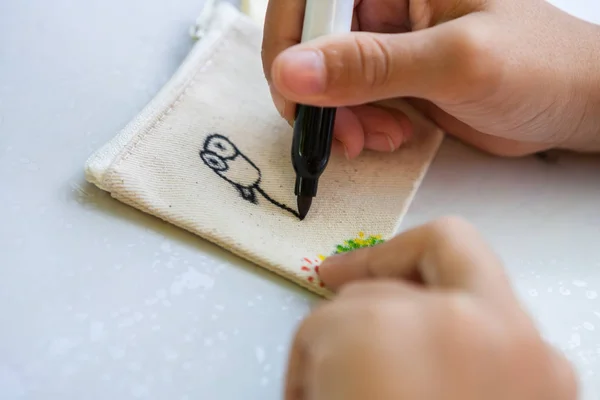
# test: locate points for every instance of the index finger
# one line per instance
(448, 253)
(282, 29)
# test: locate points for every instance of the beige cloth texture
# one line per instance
(211, 155)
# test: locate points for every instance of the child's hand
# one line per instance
(460, 334)
(511, 77)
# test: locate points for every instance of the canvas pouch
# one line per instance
(211, 155)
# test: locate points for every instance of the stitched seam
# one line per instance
(217, 48)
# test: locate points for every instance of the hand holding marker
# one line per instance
(313, 127)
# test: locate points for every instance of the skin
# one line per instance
(511, 77)
(428, 315)
(431, 314)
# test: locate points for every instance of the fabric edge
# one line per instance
(432, 153)
(238, 252)
(99, 163)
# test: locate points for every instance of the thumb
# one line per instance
(437, 64)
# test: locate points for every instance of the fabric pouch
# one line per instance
(211, 155)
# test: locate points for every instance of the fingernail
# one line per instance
(346, 154)
(339, 147)
(380, 141)
(302, 71)
(278, 100)
(391, 143)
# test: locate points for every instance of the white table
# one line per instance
(99, 301)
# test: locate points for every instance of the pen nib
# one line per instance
(304, 203)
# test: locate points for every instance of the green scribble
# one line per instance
(357, 243)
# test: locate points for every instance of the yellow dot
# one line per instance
(361, 234)
(321, 257)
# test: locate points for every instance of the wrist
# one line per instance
(585, 91)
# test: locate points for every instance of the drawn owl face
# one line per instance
(221, 146)
(214, 162)
(229, 163)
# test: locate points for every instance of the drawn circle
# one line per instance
(221, 147)
(213, 161)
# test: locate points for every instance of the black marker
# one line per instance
(313, 127)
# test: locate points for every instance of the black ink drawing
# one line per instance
(227, 161)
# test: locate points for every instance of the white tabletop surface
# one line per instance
(99, 301)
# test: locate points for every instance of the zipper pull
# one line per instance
(198, 30)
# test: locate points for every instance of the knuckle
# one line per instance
(375, 60)
(368, 60)
(459, 312)
(476, 56)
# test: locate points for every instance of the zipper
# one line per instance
(202, 24)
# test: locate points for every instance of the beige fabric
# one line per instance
(168, 163)
(255, 9)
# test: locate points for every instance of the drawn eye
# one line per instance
(221, 147)
(215, 162)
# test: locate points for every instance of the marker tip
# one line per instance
(304, 203)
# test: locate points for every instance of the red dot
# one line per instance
(305, 268)
(317, 269)
(322, 284)
(310, 279)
